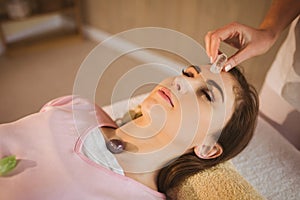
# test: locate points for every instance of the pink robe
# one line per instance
(50, 163)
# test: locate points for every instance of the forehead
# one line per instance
(223, 79)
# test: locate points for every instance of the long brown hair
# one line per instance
(234, 137)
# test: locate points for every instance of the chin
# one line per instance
(148, 103)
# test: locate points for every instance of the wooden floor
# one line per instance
(36, 70)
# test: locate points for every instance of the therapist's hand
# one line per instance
(249, 41)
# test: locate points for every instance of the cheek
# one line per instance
(194, 130)
(204, 122)
(229, 110)
(194, 119)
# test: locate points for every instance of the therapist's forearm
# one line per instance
(280, 15)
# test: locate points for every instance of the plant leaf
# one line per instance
(7, 164)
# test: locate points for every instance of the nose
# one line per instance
(180, 85)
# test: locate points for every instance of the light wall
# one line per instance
(191, 17)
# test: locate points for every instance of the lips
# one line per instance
(166, 95)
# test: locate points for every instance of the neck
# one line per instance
(143, 135)
(142, 159)
(148, 149)
(139, 168)
(142, 127)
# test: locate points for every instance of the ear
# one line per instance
(206, 152)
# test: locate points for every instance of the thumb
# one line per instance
(231, 63)
(237, 58)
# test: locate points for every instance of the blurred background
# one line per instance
(44, 42)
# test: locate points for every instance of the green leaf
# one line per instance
(7, 164)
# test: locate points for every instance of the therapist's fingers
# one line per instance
(254, 42)
(239, 57)
(234, 61)
(228, 33)
(207, 44)
(249, 41)
(212, 45)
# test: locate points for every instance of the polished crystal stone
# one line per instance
(115, 146)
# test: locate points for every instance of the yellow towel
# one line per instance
(220, 182)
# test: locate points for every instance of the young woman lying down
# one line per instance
(72, 149)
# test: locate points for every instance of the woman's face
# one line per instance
(195, 104)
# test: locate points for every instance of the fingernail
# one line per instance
(211, 60)
(228, 67)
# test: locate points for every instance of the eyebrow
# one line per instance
(217, 86)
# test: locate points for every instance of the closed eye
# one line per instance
(207, 94)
